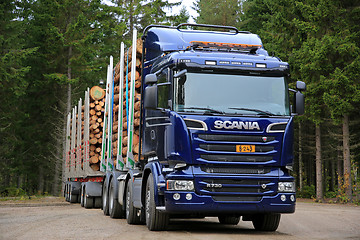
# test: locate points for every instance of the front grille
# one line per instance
(235, 138)
(236, 189)
(237, 198)
(236, 158)
(227, 170)
(232, 148)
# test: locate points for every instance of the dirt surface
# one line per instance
(52, 218)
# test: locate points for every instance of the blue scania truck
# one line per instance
(216, 132)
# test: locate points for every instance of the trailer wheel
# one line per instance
(67, 192)
(155, 220)
(105, 198)
(97, 202)
(131, 212)
(88, 201)
(82, 196)
(72, 197)
(266, 222)
(231, 220)
(115, 209)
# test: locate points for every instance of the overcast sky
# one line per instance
(188, 4)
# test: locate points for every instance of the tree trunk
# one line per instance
(347, 160)
(68, 109)
(40, 188)
(339, 168)
(319, 179)
(300, 158)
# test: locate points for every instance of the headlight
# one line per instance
(180, 185)
(286, 187)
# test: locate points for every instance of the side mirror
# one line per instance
(301, 86)
(299, 103)
(150, 97)
(150, 79)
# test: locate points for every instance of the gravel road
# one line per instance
(56, 219)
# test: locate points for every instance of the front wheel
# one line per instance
(266, 222)
(155, 220)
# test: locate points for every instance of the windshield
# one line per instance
(231, 94)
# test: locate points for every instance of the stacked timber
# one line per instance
(96, 116)
(120, 104)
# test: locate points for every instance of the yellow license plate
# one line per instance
(245, 148)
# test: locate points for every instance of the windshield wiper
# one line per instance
(254, 110)
(204, 108)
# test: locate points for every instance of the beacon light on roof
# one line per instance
(218, 45)
(260, 65)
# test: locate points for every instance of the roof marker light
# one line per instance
(236, 63)
(208, 62)
(248, 63)
(260, 65)
(224, 62)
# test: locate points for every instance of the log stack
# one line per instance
(96, 117)
(118, 107)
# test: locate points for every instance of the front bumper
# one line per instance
(207, 205)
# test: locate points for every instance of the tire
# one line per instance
(155, 220)
(73, 197)
(97, 202)
(266, 222)
(105, 198)
(88, 201)
(231, 220)
(67, 193)
(131, 212)
(115, 209)
(82, 197)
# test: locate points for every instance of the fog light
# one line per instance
(292, 198)
(188, 196)
(176, 196)
(283, 198)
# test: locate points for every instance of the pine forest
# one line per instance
(52, 51)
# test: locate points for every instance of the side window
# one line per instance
(163, 89)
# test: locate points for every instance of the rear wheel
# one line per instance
(72, 197)
(105, 198)
(115, 209)
(88, 201)
(266, 222)
(82, 196)
(231, 220)
(155, 220)
(97, 202)
(131, 212)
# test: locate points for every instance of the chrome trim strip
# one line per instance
(268, 129)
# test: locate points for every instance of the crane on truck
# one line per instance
(194, 123)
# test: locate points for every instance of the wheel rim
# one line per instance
(147, 206)
(85, 199)
(127, 204)
(111, 202)
(105, 198)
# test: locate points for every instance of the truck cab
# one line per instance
(217, 128)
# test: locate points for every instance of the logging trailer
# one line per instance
(192, 123)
